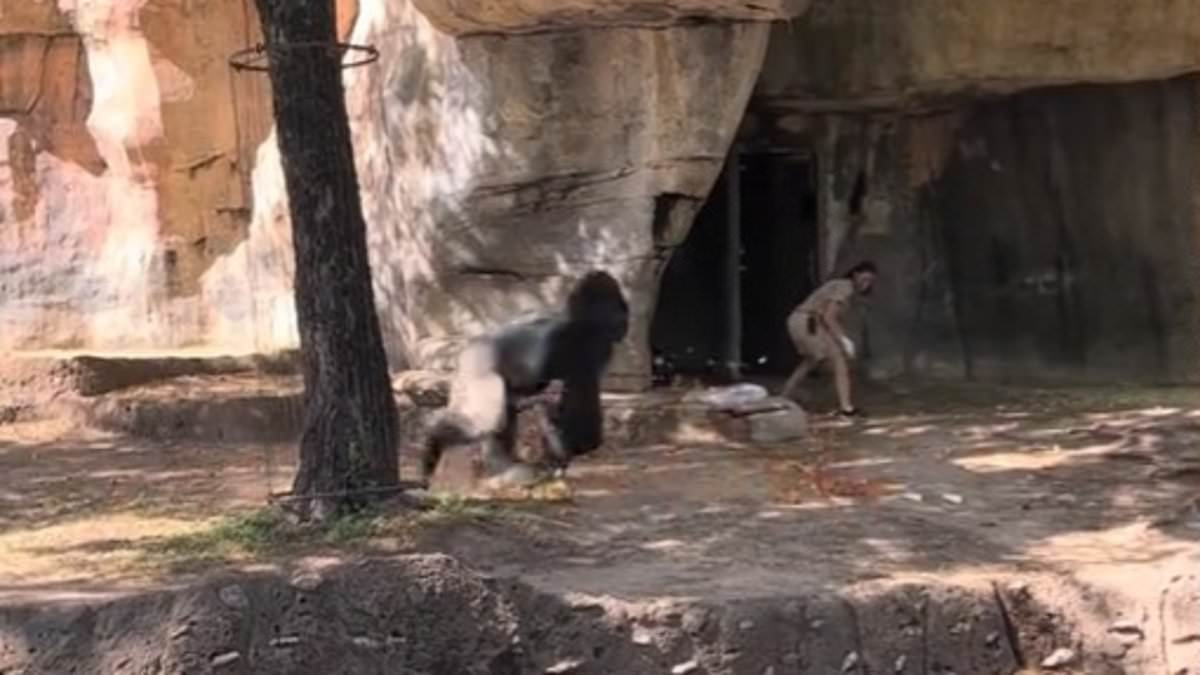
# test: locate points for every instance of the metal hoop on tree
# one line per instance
(350, 427)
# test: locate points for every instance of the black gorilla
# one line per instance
(520, 360)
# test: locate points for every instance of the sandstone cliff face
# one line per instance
(463, 17)
(858, 54)
(118, 175)
(141, 202)
(496, 170)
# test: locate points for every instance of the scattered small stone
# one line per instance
(849, 662)
(285, 641)
(993, 639)
(1060, 658)
(952, 498)
(306, 581)
(746, 624)
(901, 662)
(233, 597)
(564, 667)
(694, 620)
(1115, 646)
(1127, 628)
(816, 624)
(913, 496)
(225, 659)
(685, 667)
(180, 632)
(365, 642)
(641, 636)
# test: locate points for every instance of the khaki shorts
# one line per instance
(817, 345)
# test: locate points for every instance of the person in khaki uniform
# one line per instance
(816, 331)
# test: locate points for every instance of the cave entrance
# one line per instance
(750, 257)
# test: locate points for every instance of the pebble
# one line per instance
(306, 581)
(901, 661)
(285, 641)
(849, 662)
(1126, 628)
(564, 667)
(1060, 658)
(225, 659)
(233, 597)
(913, 496)
(953, 498)
(685, 667)
(365, 642)
(641, 636)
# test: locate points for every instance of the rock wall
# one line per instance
(495, 170)
(856, 54)
(1047, 235)
(503, 148)
(119, 183)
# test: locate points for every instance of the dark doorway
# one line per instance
(777, 221)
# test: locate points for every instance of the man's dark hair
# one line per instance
(864, 266)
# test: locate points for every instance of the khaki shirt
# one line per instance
(834, 291)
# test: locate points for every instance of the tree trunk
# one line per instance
(348, 444)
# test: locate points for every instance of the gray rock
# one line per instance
(778, 425)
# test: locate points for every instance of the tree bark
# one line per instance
(348, 443)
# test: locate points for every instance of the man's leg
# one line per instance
(802, 370)
(841, 381)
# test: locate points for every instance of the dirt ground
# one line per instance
(958, 528)
(946, 480)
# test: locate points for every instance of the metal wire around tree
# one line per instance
(255, 58)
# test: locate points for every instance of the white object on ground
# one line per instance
(732, 396)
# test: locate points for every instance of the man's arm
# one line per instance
(831, 318)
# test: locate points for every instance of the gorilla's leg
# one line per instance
(476, 409)
(497, 451)
(579, 419)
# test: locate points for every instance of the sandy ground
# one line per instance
(946, 481)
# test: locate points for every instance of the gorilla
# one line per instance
(499, 373)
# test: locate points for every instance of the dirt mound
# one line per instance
(431, 614)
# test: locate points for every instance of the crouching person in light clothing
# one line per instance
(816, 330)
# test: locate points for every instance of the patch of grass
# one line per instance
(267, 531)
(250, 533)
(450, 507)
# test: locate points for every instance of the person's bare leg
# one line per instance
(802, 370)
(841, 381)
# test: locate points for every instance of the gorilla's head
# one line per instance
(597, 303)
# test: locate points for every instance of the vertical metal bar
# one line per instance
(733, 265)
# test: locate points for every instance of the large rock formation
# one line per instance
(505, 147)
(119, 183)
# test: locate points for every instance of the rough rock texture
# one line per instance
(460, 17)
(433, 614)
(118, 176)
(855, 54)
(141, 203)
(488, 186)
(1047, 234)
